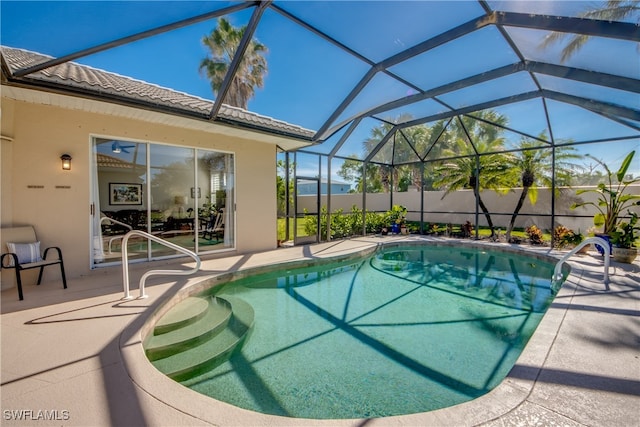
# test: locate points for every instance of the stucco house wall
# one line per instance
(35, 190)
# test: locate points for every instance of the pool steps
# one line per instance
(190, 311)
(193, 321)
(197, 340)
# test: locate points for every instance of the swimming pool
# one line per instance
(408, 329)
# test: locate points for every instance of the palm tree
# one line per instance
(384, 155)
(420, 137)
(612, 10)
(222, 44)
(398, 150)
(470, 168)
(534, 163)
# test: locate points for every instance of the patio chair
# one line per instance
(23, 253)
(214, 226)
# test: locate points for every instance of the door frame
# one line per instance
(301, 240)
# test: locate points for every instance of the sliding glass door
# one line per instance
(180, 194)
(172, 175)
(215, 195)
(119, 199)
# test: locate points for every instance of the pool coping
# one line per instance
(507, 396)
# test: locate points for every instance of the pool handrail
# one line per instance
(114, 221)
(125, 263)
(557, 274)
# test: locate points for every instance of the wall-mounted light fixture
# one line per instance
(66, 162)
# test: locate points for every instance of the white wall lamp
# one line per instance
(66, 162)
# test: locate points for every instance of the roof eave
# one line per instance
(282, 138)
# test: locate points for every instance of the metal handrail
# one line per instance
(114, 221)
(557, 274)
(125, 263)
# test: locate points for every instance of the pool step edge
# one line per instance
(213, 352)
(207, 326)
(188, 311)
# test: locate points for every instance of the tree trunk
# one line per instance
(485, 211)
(523, 196)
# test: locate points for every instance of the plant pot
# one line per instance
(600, 248)
(395, 228)
(584, 249)
(626, 255)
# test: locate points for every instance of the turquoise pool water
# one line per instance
(406, 330)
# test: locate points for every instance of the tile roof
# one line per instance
(106, 161)
(104, 84)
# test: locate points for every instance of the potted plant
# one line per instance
(575, 239)
(208, 208)
(564, 237)
(612, 198)
(624, 238)
(396, 216)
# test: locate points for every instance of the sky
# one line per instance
(309, 77)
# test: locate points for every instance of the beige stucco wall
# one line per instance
(35, 190)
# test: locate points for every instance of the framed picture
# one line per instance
(125, 194)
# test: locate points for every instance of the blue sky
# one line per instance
(308, 77)
(172, 59)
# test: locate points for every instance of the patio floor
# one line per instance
(74, 357)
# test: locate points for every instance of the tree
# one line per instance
(223, 43)
(281, 186)
(534, 164)
(351, 171)
(476, 163)
(589, 175)
(379, 177)
(612, 10)
(420, 138)
(399, 152)
(384, 155)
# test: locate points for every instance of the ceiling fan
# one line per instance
(116, 147)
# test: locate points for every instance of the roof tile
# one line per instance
(71, 74)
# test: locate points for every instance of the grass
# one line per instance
(484, 232)
(282, 228)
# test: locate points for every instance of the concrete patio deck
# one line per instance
(74, 357)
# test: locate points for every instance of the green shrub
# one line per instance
(347, 224)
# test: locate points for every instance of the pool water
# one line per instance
(406, 330)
